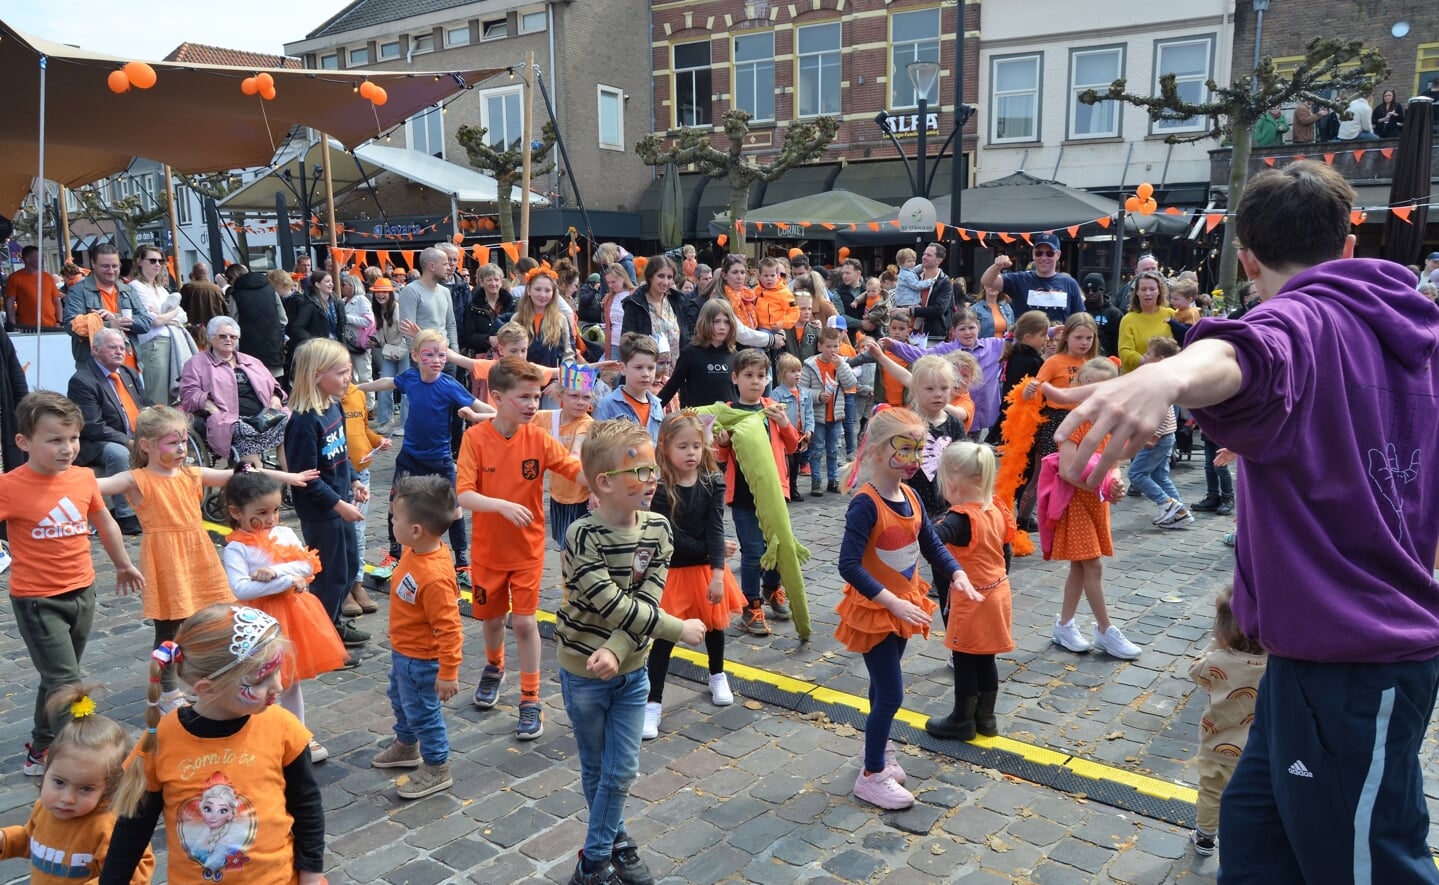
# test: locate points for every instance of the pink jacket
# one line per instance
(207, 378)
(1054, 495)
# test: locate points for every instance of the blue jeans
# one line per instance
(334, 541)
(408, 465)
(607, 716)
(851, 420)
(1218, 481)
(751, 548)
(385, 399)
(825, 441)
(364, 477)
(419, 715)
(1149, 471)
(886, 694)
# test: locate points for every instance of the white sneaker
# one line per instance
(1182, 519)
(1167, 510)
(1113, 643)
(652, 722)
(882, 790)
(1067, 636)
(720, 693)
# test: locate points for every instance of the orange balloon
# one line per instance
(1149, 206)
(843, 252)
(457, 238)
(267, 93)
(264, 80)
(141, 75)
(379, 96)
(722, 240)
(1145, 191)
(1132, 204)
(367, 89)
(118, 82)
(250, 85)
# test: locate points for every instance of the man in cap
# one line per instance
(1044, 288)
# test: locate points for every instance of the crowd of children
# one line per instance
(636, 501)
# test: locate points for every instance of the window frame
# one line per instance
(450, 30)
(994, 97)
(1424, 53)
(333, 59)
(485, 121)
(182, 205)
(1197, 124)
(899, 76)
(486, 28)
(380, 50)
(357, 50)
(423, 116)
(755, 66)
(416, 38)
(799, 64)
(520, 21)
(1075, 89)
(705, 99)
(618, 95)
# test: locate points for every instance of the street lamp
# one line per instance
(924, 76)
(1260, 6)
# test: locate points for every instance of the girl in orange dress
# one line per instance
(1078, 343)
(269, 568)
(700, 585)
(1082, 537)
(977, 531)
(182, 571)
(885, 599)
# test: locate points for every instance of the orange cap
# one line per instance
(383, 284)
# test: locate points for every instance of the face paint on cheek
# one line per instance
(248, 693)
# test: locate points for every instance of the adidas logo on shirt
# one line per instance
(65, 521)
(1299, 769)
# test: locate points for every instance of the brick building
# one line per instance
(592, 60)
(786, 61)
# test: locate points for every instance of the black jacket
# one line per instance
(257, 310)
(13, 388)
(637, 313)
(479, 322)
(105, 420)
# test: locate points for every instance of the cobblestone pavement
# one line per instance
(751, 792)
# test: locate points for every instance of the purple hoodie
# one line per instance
(1338, 509)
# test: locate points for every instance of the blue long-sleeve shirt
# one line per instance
(859, 523)
(317, 440)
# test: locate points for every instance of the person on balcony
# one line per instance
(1388, 118)
(1359, 126)
(1270, 128)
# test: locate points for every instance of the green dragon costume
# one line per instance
(782, 552)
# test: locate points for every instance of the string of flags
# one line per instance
(352, 257)
(468, 224)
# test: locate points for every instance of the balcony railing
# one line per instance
(1358, 161)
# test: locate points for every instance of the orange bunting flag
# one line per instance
(1173, 210)
(1073, 230)
(1356, 217)
(1359, 154)
(1025, 235)
(963, 234)
(481, 254)
(873, 225)
(804, 224)
(512, 251)
(1104, 221)
(342, 256)
(826, 225)
(1212, 220)
(388, 257)
(1329, 159)
(894, 223)
(1006, 238)
(409, 255)
(853, 226)
(1403, 212)
(1387, 153)
(1269, 161)
(1296, 158)
(739, 225)
(939, 230)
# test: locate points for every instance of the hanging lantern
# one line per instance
(141, 75)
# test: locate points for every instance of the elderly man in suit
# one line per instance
(110, 395)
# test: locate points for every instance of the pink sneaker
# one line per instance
(881, 790)
(891, 763)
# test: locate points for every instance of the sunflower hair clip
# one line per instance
(81, 707)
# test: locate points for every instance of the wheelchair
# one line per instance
(199, 454)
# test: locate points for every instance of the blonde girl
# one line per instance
(315, 444)
(931, 382)
(73, 817)
(1078, 343)
(977, 531)
(1082, 536)
(268, 811)
(885, 599)
(700, 585)
(182, 571)
(620, 283)
(552, 339)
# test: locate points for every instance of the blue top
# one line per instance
(1058, 296)
(427, 428)
(617, 406)
(317, 440)
(859, 523)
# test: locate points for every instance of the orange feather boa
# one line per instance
(1021, 422)
(277, 552)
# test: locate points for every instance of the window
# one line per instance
(1094, 69)
(754, 75)
(530, 22)
(329, 62)
(390, 50)
(612, 118)
(359, 57)
(1426, 68)
(692, 92)
(503, 115)
(457, 36)
(818, 51)
(425, 132)
(913, 36)
(1014, 88)
(496, 29)
(182, 205)
(422, 43)
(1189, 61)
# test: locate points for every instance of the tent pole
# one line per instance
(174, 222)
(526, 152)
(40, 228)
(64, 243)
(329, 200)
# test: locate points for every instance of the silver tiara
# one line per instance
(250, 629)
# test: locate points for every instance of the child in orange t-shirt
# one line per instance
(47, 508)
(569, 424)
(425, 634)
(501, 479)
(978, 530)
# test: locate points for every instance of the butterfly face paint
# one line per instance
(905, 454)
(262, 688)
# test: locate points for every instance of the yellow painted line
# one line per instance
(1028, 752)
(1147, 785)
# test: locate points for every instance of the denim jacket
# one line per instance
(800, 411)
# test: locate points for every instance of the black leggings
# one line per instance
(974, 674)
(660, 661)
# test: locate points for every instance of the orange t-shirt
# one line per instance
(512, 469)
(564, 491)
(360, 439)
(480, 378)
(983, 627)
(110, 297)
(424, 619)
(966, 402)
(49, 529)
(641, 407)
(894, 393)
(826, 376)
(244, 775)
(1000, 324)
(1060, 370)
(21, 287)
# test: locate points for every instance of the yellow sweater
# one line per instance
(1135, 330)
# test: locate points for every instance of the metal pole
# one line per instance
(1119, 230)
(1259, 7)
(921, 188)
(64, 243)
(330, 203)
(956, 184)
(528, 163)
(40, 229)
(174, 222)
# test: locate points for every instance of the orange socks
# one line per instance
(530, 686)
(495, 657)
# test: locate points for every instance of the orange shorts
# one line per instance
(495, 593)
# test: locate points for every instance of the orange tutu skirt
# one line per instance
(315, 647)
(863, 623)
(981, 628)
(686, 596)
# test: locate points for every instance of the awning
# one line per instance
(804, 218)
(350, 169)
(91, 133)
(801, 181)
(691, 184)
(83, 244)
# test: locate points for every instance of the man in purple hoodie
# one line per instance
(1329, 392)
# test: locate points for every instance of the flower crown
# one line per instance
(543, 270)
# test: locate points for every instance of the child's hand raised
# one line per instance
(304, 477)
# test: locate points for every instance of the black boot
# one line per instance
(1226, 505)
(957, 726)
(1208, 504)
(984, 721)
